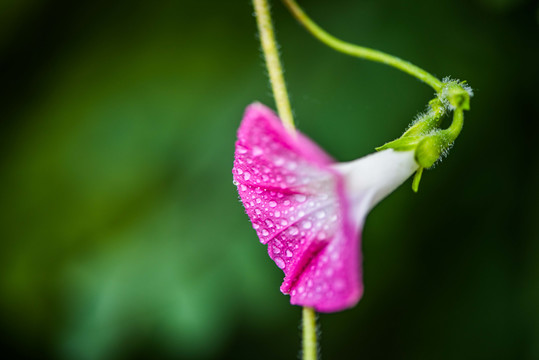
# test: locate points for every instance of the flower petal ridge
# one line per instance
(296, 201)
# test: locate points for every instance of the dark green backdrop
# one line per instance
(121, 235)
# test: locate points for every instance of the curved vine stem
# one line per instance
(360, 51)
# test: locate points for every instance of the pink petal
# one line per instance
(297, 206)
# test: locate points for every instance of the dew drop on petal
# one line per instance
(247, 175)
(265, 232)
(257, 151)
(286, 203)
(300, 198)
(279, 161)
(307, 224)
(291, 166)
(293, 230)
(289, 253)
(272, 204)
(276, 250)
(239, 171)
(277, 213)
(339, 285)
(321, 214)
(269, 223)
(280, 262)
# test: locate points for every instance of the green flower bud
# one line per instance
(428, 151)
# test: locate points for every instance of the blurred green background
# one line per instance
(122, 236)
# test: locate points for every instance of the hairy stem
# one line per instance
(280, 94)
(309, 334)
(271, 55)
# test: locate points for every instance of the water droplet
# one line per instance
(239, 171)
(293, 230)
(291, 166)
(241, 150)
(321, 236)
(279, 161)
(284, 222)
(301, 289)
(286, 203)
(299, 197)
(265, 232)
(276, 250)
(259, 190)
(339, 285)
(257, 151)
(277, 213)
(321, 214)
(256, 226)
(289, 253)
(307, 225)
(290, 179)
(269, 223)
(235, 182)
(280, 262)
(243, 187)
(247, 175)
(272, 204)
(258, 201)
(301, 213)
(329, 272)
(258, 212)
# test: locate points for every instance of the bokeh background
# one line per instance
(121, 233)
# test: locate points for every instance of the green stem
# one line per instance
(271, 54)
(309, 334)
(360, 51)
(454, 129)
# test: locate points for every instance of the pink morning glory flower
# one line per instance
(308, 209)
